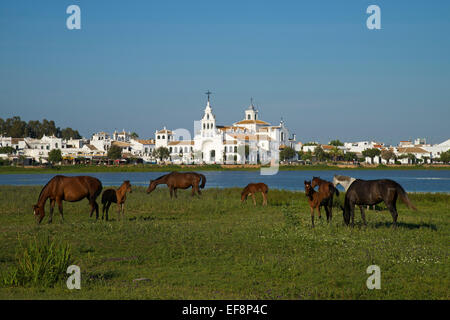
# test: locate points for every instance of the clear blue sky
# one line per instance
(140, 65)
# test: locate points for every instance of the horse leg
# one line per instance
(393, 209)
(363, 215)
(312, 217)
(96, 209)
(327, 211)
(52, 206)
(118, 211)
(171, 192)
(264, 198)
(106, 208)
(123, 210)
(60, 207)
(175, 192)
(92, 208)
(352, 215)
(254, 200)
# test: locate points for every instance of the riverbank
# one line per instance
(217, 248)
(165, 168)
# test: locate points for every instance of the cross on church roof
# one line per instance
(208, 93)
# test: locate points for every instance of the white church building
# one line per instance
(250, 140)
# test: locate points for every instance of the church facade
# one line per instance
(250, 140)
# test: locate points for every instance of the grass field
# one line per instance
(216, 248)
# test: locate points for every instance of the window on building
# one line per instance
(248, 117)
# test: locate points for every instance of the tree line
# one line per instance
(17, 128)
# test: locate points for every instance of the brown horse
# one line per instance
(252, 188)
(179, 180)
(315, 200)
(70, 189)
(117, 196)
(327, 191)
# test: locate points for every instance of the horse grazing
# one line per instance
(372, 192)
(317, 199)
(70, 189)
(252, 188)
(344, 181)
(117, 196)
(179, 180)
(327, 191)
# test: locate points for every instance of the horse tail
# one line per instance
(336, 191)
(104, 198)
(203, 181)
(404, 196)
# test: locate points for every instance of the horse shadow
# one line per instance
(410, 226)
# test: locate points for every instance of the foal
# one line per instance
(314, 199)
(117, 196)
(251, 188)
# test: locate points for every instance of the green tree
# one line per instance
(319, 153)
(287, 153)
(335, 153)
(411, 158)
(7, 150)
(115, 152)
(306, 156)
(445, 156)
(336, 143)
(350, 156)
(134, 135)
(161, 153)
(54, 156)
(311, 144)
(387, 154)
(371, 153)
(69, 133)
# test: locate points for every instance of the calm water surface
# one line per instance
(411, 180)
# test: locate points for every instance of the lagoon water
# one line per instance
(411, 180)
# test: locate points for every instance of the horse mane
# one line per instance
(347, 178)
(42, 190)
(161, 177)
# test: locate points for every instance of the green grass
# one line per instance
(217, 248)
(165, 168)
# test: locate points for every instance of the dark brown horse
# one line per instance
(252, 188)
(179, 180)
(117, 196)
(327, 191)
(70, 189)
(372, 192)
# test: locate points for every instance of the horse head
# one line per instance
(151, 186)
(128, 184)
(38, 212)
(308, 187)
(244, 194)
(315, 182)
